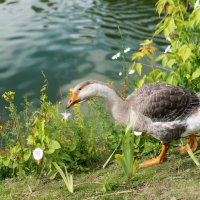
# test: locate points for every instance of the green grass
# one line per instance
(178, 177)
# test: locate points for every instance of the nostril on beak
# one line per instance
(69, 102)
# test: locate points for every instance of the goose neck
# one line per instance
(108, 93)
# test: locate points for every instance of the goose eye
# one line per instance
(80, 89)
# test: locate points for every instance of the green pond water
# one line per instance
(69, 40)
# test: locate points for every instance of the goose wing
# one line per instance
(163, 102)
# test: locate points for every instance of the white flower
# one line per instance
(38, 154)
(196, 5)
(127, 50)
(132, 71)
(120, 73)
(116, 56)
(168, 49)
(137, 133)
(66, 116)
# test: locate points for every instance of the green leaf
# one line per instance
(195, 74)
(164, 61)
(121, 161)
(160, 5)
(15, 164)
(6, 161)
(135, 166)
(41, 125)
(67, 178)
(15, 149)
(161, 76)
(27, 154)
(119, 157)
(52, 146)
(146, 42)
(184, 52)
(169, 10)
(171, 62)
(141, 82)
(129, 126)
(30, 140)
(137, 140)
(137, 55)
(189, 150)
(132, 66)
(159, 30)
(139, 68)
(52, 174)
(160, 57)
(150, 79)
(172, 80)
(194, 19)
(55, 144)
(169, 27)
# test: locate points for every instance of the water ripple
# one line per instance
(69, 40)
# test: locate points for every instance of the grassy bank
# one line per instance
(178, 178)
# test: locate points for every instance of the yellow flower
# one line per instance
(71, 90)
(77, 105)
(187, 76)
(8, 96)
(5, 97)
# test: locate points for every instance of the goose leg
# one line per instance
(192, 142)
(157, 160)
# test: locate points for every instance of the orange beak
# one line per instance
(73, 100)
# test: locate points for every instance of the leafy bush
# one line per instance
(181, 59)
(72, 142)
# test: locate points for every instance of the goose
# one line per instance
(164, 111)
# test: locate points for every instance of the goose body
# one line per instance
(164, 111)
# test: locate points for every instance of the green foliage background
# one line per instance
(180, 25)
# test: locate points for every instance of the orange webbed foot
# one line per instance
(192, 142)
(157, 160)
(151, 162)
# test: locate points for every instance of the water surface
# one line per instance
(69, 40)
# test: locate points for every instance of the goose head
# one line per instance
(82, 92)
(91, 88)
